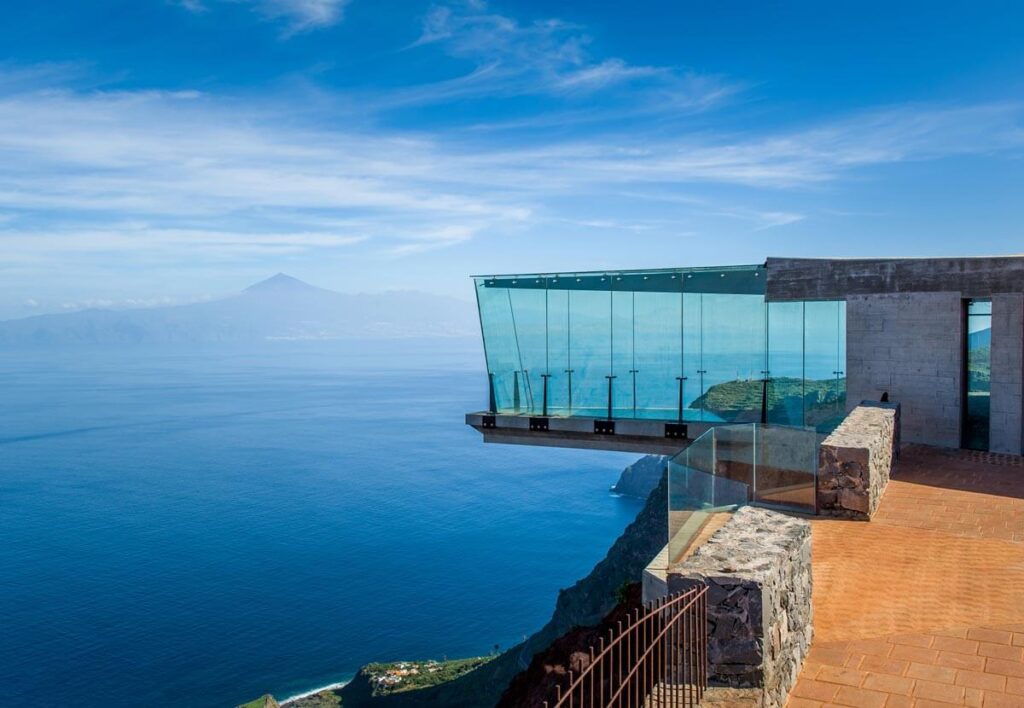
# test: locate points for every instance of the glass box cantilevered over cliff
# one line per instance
(683, 344)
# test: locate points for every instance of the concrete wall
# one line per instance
(828, 279)
(1007, 424)
(909, 345)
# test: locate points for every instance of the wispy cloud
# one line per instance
(297, 15)
(175, 173)
(551, 57)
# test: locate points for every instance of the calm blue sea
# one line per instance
(197, 528)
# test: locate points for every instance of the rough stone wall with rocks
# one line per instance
(856, 460)
(909, 345)
(757, 569)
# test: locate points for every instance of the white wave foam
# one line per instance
(313, 692)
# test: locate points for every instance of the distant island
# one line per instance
(279, 308)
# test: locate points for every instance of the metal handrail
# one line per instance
(658, 659)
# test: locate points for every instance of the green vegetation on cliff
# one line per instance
(789, 399)
(400, 676)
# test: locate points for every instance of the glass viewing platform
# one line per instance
(675, 345)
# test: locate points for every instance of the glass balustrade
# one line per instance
(734, 465)
(689, 344)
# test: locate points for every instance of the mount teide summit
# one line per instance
(281, 307)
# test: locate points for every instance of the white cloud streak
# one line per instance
(183, 172)
(549, 57)
(297, 15)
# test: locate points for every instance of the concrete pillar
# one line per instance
(1007, 403)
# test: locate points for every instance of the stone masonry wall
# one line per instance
(910, 346)
(758, 572)
(855, 461)
(1006, 433)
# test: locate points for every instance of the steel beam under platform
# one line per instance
(655, 437)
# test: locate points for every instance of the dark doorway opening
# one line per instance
(977, 370)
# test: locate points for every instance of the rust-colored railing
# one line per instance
(658, 658)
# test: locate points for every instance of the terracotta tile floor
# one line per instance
(924, 605)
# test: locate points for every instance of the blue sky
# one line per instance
(159, 151)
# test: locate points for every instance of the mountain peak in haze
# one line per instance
(281, 283)
(278, 308)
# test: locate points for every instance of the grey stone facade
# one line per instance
(758, 572)
(1006, 433)
(837, 279)
(909, 345)
(855, 461)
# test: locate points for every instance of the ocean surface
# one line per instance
(198, 527)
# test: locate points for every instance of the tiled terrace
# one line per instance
(924, 605)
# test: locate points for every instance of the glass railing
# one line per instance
(731, 466)
(687, 344)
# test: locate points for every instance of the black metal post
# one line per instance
(610, 378)
(634, 372)
(680, 379)
(493, 401)
(569, 372)
(545, 377)
(764, 397)
(515, 391)
(702, 392)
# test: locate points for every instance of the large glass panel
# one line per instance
(730, 466)
(710, 476)
(659, 354)
(733, 356)
(502, 351)
(558, 351)
(824, 362)
(590, 333)
(786, 363)
(786, 467)
(693, 364)
(624, 368)
(529, 318)
(979, 369)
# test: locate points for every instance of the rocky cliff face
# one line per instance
(641, 477)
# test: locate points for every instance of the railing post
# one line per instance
(515, 391)
(545, 377)
(764, 397)
(753, 461)
(634, 372)
(610, 379)
(492, 401)
(569, 372)
(680, 379)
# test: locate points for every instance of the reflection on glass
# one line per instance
(690, 344)
(979, 368)
(730, 466)
(590, 354)
(786, 363)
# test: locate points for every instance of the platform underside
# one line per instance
(655, 437)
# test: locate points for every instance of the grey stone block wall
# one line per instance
(856, 461)
(909, 345)
(1006, 433)
(757, 569)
